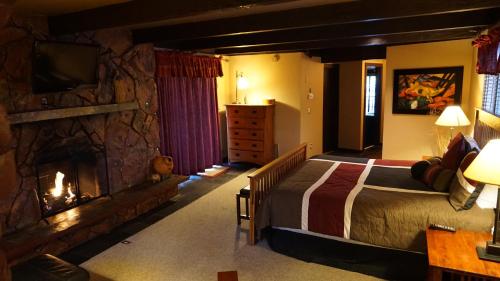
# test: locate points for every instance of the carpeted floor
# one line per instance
(199, 240)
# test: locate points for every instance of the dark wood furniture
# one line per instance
(245, 194)
(455, 254)
(227, 276)
(250, 131)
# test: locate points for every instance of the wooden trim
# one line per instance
(264, 179)
(486, 127)
(52, 114)
(489, 119)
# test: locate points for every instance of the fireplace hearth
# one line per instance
(70, 175)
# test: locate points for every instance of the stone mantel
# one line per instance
(51, 114)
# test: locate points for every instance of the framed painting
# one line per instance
(426, 90)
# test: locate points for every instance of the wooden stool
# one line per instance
(245, 193)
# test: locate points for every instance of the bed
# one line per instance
(359, 201)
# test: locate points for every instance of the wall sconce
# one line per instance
(241, 84)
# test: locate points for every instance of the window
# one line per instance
(491, 98)
(371, 83)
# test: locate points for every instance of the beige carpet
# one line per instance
(199, 240)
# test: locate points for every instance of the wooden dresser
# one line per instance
(250, 132)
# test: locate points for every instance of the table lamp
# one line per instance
(452, 116)
(486, 169)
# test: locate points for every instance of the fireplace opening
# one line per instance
(70, 175)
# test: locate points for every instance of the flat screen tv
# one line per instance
(60, 66)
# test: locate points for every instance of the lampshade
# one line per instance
(242, 82)
(486, 167)
(453, 116)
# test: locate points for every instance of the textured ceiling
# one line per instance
(57, 7)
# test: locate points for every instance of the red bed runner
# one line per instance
(327, 202)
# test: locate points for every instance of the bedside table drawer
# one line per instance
(246, 134)
(246, 123)
(245, 156)
(246, 145)
(246, 112)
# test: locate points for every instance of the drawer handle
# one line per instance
(236, 122)
(254, 134)
(254, 111)
(237, 154)
(237, 143)
(236, 111)
(254, 123)
(254, 145)
(236, 133)
(254, 156)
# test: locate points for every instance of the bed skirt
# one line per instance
(380, 262)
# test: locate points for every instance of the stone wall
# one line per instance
(126, 73)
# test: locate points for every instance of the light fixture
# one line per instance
(241, 84)
(453, 116)
(486, 169)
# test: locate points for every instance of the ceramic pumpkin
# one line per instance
(163, 165)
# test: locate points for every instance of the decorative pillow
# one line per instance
(443, 180)
(431, 173)
(464, 192)
(457, 149)
(418, 169)
(471, 144)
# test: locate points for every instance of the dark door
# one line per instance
(373, 105)
(331, 107)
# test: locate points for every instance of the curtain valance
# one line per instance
(175, 64)
(488, 60)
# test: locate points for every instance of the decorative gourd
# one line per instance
(163, 165)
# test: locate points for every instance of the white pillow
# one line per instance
(488, 197)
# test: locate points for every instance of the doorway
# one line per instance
(373, 106)
(331, 107)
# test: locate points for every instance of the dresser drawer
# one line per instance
(246, 112)
(246, 123)
(246, 145)
(246, 156)
(246, 134)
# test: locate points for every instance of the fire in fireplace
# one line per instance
(69, 176)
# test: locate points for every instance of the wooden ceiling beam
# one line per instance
(139, 12)
(334, 55)
(341, 13)
(469, 19)
(385, 40)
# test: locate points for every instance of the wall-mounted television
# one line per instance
(61, 66)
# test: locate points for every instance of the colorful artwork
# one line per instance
(426, 91)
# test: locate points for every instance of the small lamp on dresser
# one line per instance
(453, 116)
(486, 169)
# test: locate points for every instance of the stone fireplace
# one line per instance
(70, 175)
(127, 138)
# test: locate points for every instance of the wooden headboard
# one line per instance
(486, 127)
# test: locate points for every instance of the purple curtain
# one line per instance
(189, 122)
(488, 61)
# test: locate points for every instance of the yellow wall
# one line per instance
(476, 89)
(413, 136)
(286, 78)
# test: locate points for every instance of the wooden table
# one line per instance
(456, 253)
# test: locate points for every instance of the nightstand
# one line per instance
(455, 253)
